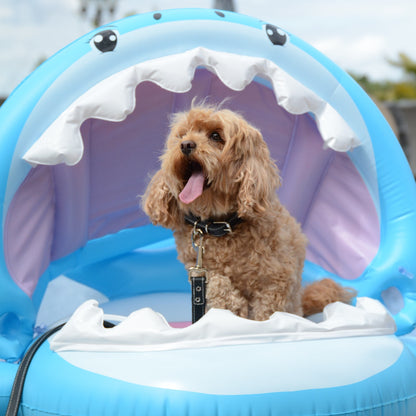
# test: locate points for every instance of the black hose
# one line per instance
(19, 380)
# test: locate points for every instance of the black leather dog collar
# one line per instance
(212, 226)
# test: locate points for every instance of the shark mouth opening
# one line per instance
(94, 160)
(114, 99)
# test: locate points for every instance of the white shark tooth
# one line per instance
(113, 99)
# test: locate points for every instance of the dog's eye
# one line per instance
(216, 137)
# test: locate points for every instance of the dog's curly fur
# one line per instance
(256, 270)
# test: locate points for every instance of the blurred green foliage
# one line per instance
(392, 90)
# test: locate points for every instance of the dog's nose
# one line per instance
(187, 147)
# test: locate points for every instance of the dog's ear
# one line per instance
(159, 203)
(259, 175)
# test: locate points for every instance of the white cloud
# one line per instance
(360, 54)
(5, 12)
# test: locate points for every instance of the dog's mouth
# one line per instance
(194, 182)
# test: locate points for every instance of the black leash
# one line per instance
(19, 380)
(197, 274)
(198, 297)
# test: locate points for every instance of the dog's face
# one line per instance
(214, 164)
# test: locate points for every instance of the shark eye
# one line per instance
(105, 41)
(276, 35)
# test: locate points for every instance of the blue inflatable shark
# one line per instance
(82, 134)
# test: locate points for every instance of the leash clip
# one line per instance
(197, 239)
(197, 275)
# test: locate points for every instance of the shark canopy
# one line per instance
(81, 136)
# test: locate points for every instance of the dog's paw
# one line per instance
(221, 294)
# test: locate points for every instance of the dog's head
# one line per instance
(214, 163)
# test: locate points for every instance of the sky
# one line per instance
(358, 35)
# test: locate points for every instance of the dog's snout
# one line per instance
(187, 147)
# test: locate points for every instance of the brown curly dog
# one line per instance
(216, 167)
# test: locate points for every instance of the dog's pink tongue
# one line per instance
(193, 188)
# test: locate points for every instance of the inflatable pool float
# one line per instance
(78, 142)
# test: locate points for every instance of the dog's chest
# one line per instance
(220, 254)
